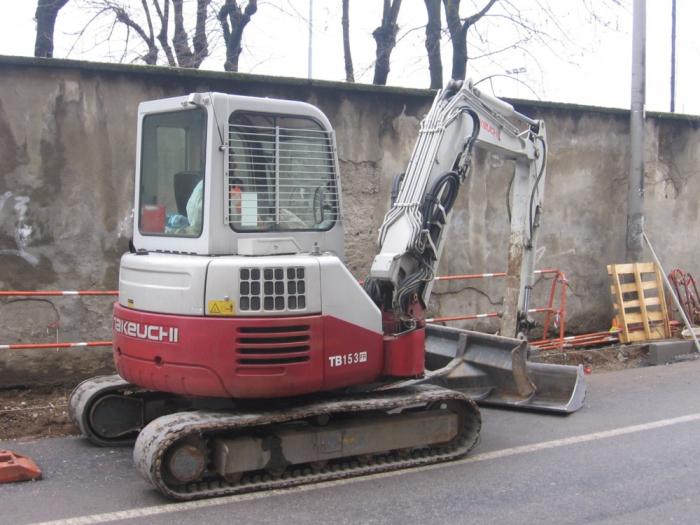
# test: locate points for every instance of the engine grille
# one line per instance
(273, 345)
(272, 289)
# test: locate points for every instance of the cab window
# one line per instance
(172, 173)
(280, 175)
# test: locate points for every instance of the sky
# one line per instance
(583, 57)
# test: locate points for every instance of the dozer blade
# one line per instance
(494, 370)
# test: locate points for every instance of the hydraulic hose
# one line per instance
(396, 186)
(531, 221)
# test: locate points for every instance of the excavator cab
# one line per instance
(217, 174)
(236, 287)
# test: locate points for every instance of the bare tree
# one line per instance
(458, 34)
(385, 36)
(164, 15)
(124, 15)
(233, 21)
(349, 73)
(45, 15)
(185, 56)
(141, 21)
(523, 33)
(433, 32)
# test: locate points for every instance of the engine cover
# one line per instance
(243, 357)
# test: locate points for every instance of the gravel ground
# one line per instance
(35, 412)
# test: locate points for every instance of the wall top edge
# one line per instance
(7, 61)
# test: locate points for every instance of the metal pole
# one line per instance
(673, 56)
(635, 191)
(673, 293)
(311, 33)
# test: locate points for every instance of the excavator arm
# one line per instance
(412, 236)
(492, 369)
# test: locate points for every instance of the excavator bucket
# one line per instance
(494, 370)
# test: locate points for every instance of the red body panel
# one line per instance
(404, 355)
(243, 357)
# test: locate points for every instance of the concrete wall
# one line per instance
(67, 137)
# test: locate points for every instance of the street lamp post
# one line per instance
(516, 71)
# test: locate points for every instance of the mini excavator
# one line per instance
(250, 358)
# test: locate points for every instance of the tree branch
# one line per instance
(164, 16)
(476, 16)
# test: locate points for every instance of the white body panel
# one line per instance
(165, 283)
(343, 297)
(224, 283)
(255, 247)
(190, 285)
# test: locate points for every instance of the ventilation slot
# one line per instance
(264, 340)
(273, 345)
(272, 329)
(272, 289)
(277, 351)
(274, 361)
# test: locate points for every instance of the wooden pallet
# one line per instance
(640, 303)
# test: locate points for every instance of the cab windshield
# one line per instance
(172, 173)
(281, 174)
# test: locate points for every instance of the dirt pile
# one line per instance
(605, 359)
(35, 412)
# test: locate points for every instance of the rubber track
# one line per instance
(85, 394)
(156, 438)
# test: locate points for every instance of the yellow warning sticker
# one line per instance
(221, 308)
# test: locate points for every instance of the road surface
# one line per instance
(629, 456)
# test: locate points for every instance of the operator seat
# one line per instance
(183, 184)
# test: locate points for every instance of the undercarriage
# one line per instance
(203, 453)
(190, 449)
(199, 447)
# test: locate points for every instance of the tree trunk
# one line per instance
(185, 57)
(458, 34)
(46, 14)
(233, 21)
(459, 44)
(459, 56)
(349, 73)
(199, 41)
(432, 43)
(162, 37)
(385, 36)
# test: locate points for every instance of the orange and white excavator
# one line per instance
(249, 357)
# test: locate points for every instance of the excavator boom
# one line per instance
(412, 237)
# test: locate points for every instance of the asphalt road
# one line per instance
(629, 456)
